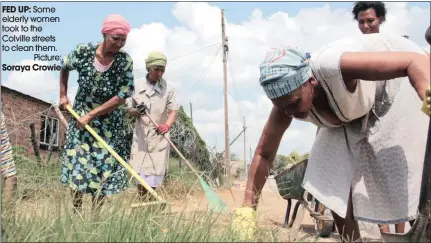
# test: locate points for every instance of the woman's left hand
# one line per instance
(427, 102)
(162, 129)
(84, 120)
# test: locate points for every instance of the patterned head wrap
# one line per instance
(115, 24)
(156, 58)
(283, 71)
(428, 35)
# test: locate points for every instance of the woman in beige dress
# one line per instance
(150, 150)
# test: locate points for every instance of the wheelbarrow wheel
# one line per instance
(323, 228)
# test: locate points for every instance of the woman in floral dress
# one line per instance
(105, 82)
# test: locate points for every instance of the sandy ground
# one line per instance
(271, 213)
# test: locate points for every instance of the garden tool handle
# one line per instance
(119, 159)
(426, 171)
(173, 145)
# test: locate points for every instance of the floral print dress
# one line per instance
(87, 167)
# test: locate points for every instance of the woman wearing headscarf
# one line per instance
(428, 35)
(105, 82)
(366, 161)
(150, 151)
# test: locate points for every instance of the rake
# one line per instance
(122, 162)
(214, 200)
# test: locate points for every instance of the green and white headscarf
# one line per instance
(283, 71)
(156, 58)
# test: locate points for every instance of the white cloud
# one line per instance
(200, 26)
(248, 41)
(34, 83)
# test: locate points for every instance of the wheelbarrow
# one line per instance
(289, 186)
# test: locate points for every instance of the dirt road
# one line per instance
(271, 212)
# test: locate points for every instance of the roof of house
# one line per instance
(24, 95)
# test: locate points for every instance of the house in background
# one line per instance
(21, 110)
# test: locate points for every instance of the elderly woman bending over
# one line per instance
(150, 151)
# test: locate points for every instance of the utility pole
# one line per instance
(226, 113)
(251, 157)
(191, 112)
(245, 158)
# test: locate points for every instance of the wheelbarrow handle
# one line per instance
(119, 159)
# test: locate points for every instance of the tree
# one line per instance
(234, 157)
(295, 157)
(281, 162)
(188, 141)
(218, 162)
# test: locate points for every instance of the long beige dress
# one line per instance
(150, 151)
(379, 152)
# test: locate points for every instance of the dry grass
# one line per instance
(43, 213)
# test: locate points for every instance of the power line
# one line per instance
(56, 89)
(198, 50)
(178, 57)
(234, 87)
(203, 74)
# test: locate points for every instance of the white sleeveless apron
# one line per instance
(379, 151)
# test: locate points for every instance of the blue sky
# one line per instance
(248, 38)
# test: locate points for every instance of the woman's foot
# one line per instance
(384, 228)
(77, 210)
(144, 195)
(97, 203)
(348, 227)
(9, 193)
(77, 202)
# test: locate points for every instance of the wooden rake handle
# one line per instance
(60, 115)
(170, 143)
(116, 156)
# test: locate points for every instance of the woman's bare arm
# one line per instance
(107, 107)
(376, 66)
(64, 77)
(172, 116)
(264, 156)
(133, 112)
